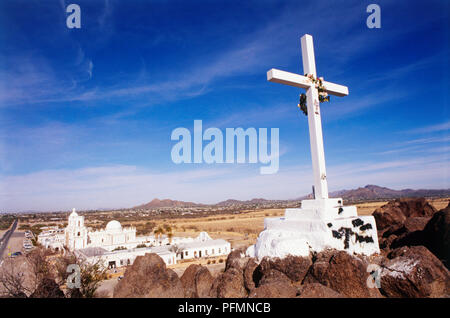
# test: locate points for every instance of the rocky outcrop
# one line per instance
(395, 213)
(414, 272)
(250, 276)
(236, 259)
(294, 267)
(343, 273)
(148, 277)
(401, 221)
(47, 288)
(274, 289)
(316, 290)
(196, 281)
(436, 235)
(229, 284)
(433, 233)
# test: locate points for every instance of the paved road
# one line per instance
(5, 239)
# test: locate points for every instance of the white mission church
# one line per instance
(117, 246)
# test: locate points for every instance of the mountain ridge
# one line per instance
(368, 192)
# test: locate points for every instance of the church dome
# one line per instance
(113, 226)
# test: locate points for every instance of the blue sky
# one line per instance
(86, 114)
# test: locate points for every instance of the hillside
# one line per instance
(373, 192)
(166, 203)
(369, 193)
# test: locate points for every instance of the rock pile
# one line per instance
(415, 252)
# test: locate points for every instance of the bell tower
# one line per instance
(76, 232)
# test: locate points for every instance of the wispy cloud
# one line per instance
(125, 186)
(432, 128)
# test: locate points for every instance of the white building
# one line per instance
(117, 246)
(203, 246)
(76, 234)
(119, 258)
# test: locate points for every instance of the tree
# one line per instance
(45, 275)
(170, 235)
(91, 275)
(13, 280)
(159, 232)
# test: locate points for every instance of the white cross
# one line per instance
(312, 100)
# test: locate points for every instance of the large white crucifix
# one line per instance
(313, 107)
(320, 223)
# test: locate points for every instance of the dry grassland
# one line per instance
(243, 229)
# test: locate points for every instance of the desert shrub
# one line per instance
(6, 221)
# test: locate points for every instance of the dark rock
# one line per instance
(196, 281)
(343, 273)
(407, 234)
(148, 277)
(316, 290)
(294, 267)
(235, 259)
(409, 225)
(437, 235)
(249, 273)
(394, 213)
(274, 289)
(47, 288)
(273, 275)
(229, 284)
(74, 293)
(385, 243)
(414, 272)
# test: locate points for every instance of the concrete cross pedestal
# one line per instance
(322, 222)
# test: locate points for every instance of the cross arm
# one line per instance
(301, 81)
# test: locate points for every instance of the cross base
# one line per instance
(319, 224)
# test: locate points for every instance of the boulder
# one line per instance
(196, 281)
(395, 213)
(414, 272)
(250, 276)
(274, 289)
(316, 290)
(294, 267)
(342, 272)
(271, 276)
(229, 284)
(47, 288)
(409, 225)
(436, 235)
(236, 259)
(148, 277)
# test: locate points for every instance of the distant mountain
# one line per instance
(166, 203)
(240, 202)
(369, 192)
(373, 192)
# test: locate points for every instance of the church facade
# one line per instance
(118, 246)
(77, 236)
